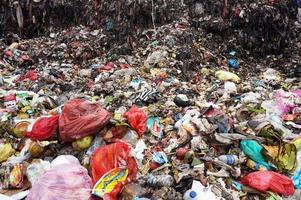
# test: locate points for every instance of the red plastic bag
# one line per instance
(43, 128)
(81, 118)
(137, 119)
(269, 180)
(31, 75)
(109, 157)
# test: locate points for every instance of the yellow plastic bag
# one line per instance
(6, 151)
(284, 156)
(226, 76)
(297, 143)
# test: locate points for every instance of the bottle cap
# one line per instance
(192, 194)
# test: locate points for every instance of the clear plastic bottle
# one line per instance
(229, 159)
(160, 180)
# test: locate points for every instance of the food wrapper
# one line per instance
(13, 177)
(109, 181)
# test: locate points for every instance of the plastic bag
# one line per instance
(286, 101)
(297, 143)
(284, 156)
(6, 151)
(31, 75)
(22, 156)
(110, 157)
(297, 174)
(230, 87)
(81, 118)
(137, 119)
(273, 115)
(160, 157)
(35, 170)
(64, 181)
(297, 179)
(43, 128)
(226, 76)
(253, 150)
(155, 58)
(269, 180)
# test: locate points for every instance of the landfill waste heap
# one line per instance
(150, 100)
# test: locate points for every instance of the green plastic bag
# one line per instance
(253, 150)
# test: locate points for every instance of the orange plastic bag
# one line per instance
(81, 118)
(269, 180)
(137, 119)
(112, 156)
(43, 128)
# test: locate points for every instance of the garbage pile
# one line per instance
(260, 27)
(34, 18)
(168, 116)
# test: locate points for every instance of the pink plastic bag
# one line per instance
(64, 181)
(137, 119)
(44, 128)
(269, 180)
(286, 101)
(81, 118)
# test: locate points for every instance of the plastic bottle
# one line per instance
(190, 195)
(199, 192)
(160, 180)
(229, 159)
